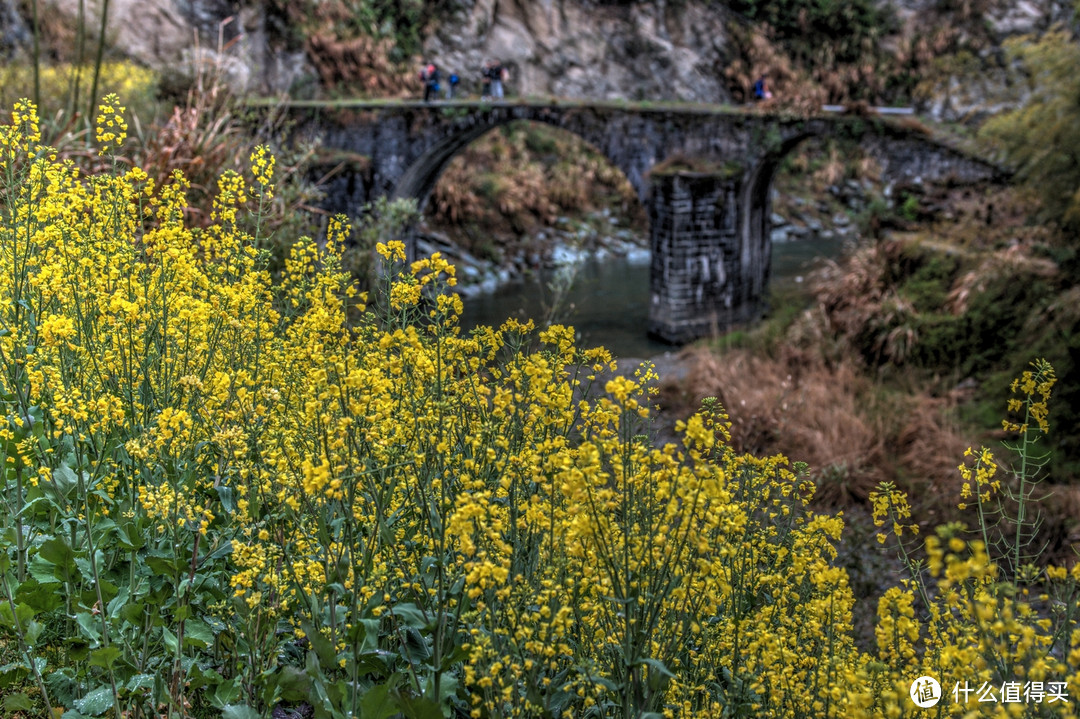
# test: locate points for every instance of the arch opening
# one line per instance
(805, 201)
(543, 226)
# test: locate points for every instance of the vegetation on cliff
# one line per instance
(1036, 135)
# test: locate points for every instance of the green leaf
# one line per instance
(170, 640)
(197, 634)
(72, 714)
(104, 657)
(227, 495)
(364, 632)
(39, 597)
(656, 666)
(162, 566)
(367, 663)
(410, 615)
(293, 684)
(18, 702)
(140, 681)
(418, 707)
(43, 570)
(415, 647)
(133, 613)
(22, 612)
(64, 480)
(11, 673)
(130, 538)
(56, 551)
(96, 702)
(377, 702)
(90, 625)
(322, 646)
(226, 693)
(223, 551)
(239, 711)
(33, 631)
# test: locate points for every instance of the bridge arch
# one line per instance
(419, 178)
(755, 210)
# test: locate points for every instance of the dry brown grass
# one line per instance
(795, 405)
(833, 417)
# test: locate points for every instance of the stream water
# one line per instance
(608, 302)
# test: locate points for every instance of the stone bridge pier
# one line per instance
(704, 278)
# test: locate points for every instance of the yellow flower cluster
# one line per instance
(480, 516)
(979, 480)
(1035, 385)
(262, 167)
(111, 127)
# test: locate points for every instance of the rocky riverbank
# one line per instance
(598, 235)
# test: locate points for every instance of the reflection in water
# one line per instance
(608, 303)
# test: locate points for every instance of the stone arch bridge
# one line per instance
(709, 230)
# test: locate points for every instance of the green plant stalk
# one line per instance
(24, 648)
(80, 56)
(1022, 495)
(37, 52)
(102, 610)
(982, 515)
(20, 539)
(98, 58)
(912, 566)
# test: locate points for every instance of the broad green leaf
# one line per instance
(223, 551)
(410, 615)
(129, 537)
(364, 632)
(57, 551)
(323, 649)
(104, 657)
(378, 702)
(140, 681)
(33, 631)
(226, 693)
(170, 640)
(18, 702)
(11, 673)
(197, 633)
(133, 613)
(43, 570)
(293, 684)
(239, 711)
(64, 479)
(418, 707)
(96, 702)
(22, 612)
(72, 714)
(39, 597)
(90, 625)
(227, 495)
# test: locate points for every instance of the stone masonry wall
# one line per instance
(696, 275)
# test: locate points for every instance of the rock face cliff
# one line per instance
(576, 48)
(182, 35)
(604, 49)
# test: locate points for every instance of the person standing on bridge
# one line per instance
(761, 88)
(499, 74)
(485, 88)
(430, 76)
